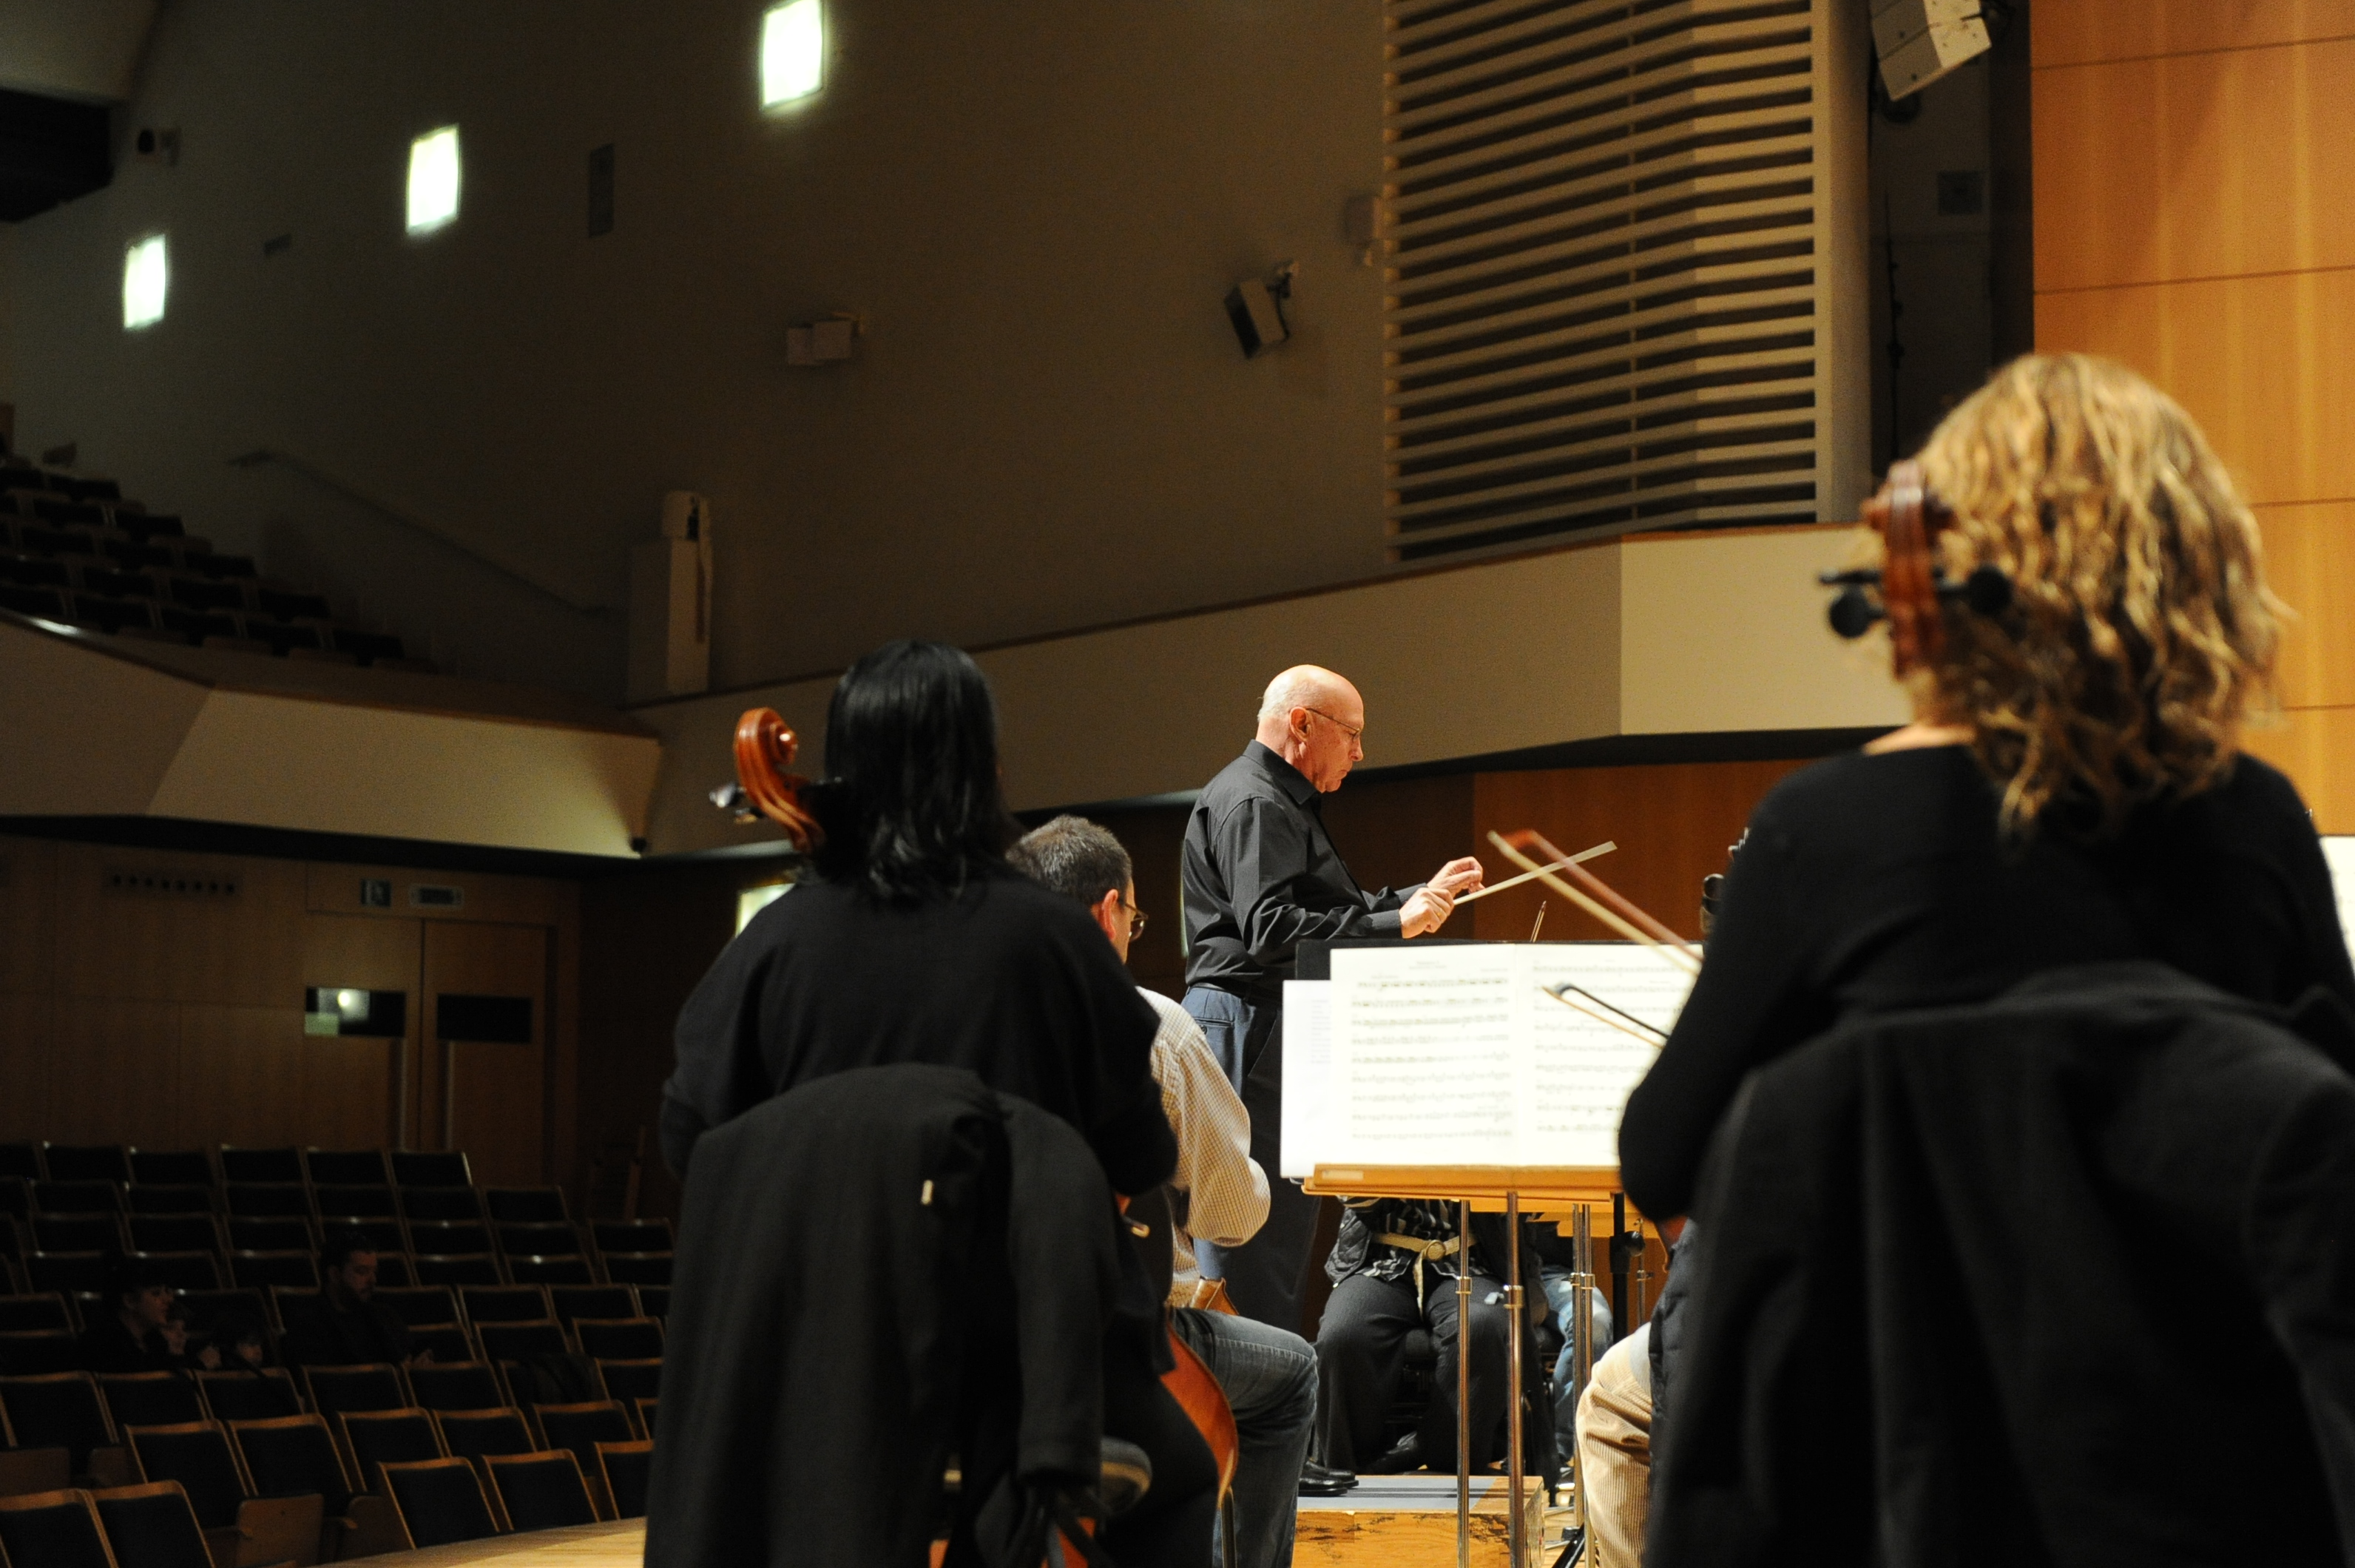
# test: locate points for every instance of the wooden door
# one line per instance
(486, 985)
(359, 1090)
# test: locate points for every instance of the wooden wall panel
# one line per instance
(517, 901)
(28, 914)
(2200, 165)
(114, 1073)
(1672, 824)
(241, 1074)
(24, 1066)
(1396, 832)
(2073, 32)
(238, 951)
(345, 1095)
(2310, 562)
(2316, 747)
(497, 1104)
(2262, 363)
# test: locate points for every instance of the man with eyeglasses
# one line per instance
(1261, 876)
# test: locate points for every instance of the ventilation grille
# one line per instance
(169, 884)
(1602, 240)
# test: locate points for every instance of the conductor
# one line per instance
(1261, 876)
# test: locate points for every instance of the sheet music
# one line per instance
(1457, 1056)
(2340, 851)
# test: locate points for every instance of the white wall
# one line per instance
(1037, 204)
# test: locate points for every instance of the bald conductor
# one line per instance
(1261, 876)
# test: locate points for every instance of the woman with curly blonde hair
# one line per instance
(2071, 790)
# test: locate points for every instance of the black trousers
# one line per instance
(1360, 1352)
(1263, 1275)
(1175, 1524)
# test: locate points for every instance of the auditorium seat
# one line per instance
(291, 1455)
(281, 1234)
(347, 1168)
(573, 1269)
(631, 1380)
(448, 1341)
(475, 1434)
(76, 1234)
(625, 1468)
(430, 1167)
(654, 1301)
(631, 1235)
(443, 1206)
(366, 1201)
(198, 1456)
(267, 1201)
(206, 1307)
(541, 1491)
(16, 1196)
(58, 1410)
(31, 1313)
(637, 1268)
(420, 1306)
(28, 1352)
(575, 1301)
(581, 1427)
(42, 603)
(53, 1529)
(22, 1161)
(292, 1307)
(394, 1269)
(175, 1234)
(152, 1526)
(375, 1437)
(374, 1385)
(620, 1338)
(11, 1282)
(642, 1411)
(260, 1270)
(464, 1268)
(521, 1341)
(183, 1270)
(195, 594)
(504, 1303)
(272, 1166)
(170, 1197)
(250, 1396)
(525, 1205)
(150, 1398)
(449, 1238)
(550, 1239)
(77, 1197)
(440, 1502)
(67, 1271)
(454, 1385)
(385, 1235)
(86, 1162)
(173, 1167)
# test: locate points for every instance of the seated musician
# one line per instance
(2071, 789)
(915, 942)
(1269, 1374)
(1394, 1268)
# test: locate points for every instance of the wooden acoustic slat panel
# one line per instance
(241, 1073)
(2195, 166)
(2310, 562)
(2262, 363)
(2316, 747)
(2073, 32)
(114, 1072)
(25, 1066)
(207, 928)
(28, 869)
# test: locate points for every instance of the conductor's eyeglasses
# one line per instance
(1352, 730)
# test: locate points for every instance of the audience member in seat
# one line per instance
(1269, 1374)
(241, 1341)
(175, 1341)
(344, 1327)
(132, 1339)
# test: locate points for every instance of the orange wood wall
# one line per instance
(2195, 218)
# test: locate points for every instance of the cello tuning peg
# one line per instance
(1853, 612)
(1987, 589)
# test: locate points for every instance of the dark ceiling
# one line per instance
(50, 150)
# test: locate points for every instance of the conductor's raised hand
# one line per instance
(1425, 910)
(1459, 876)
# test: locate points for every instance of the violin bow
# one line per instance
(1634, 924)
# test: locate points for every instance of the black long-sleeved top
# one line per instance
(1006, 979)
(1261, 876)
(1874, 883)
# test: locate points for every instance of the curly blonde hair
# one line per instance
(2140, 631)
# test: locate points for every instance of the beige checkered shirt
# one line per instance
(1226, 1190)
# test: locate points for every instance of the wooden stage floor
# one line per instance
(617, 1545)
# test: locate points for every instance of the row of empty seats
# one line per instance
(129, 1165)
(72, 550)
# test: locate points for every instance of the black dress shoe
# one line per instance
(1406, 1454)
(1317, 1481)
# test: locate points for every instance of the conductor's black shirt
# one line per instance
(1261, 876)
(1870, 883)
(1004, 978)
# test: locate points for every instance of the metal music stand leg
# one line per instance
(1516, 1524)
(1464, 1386)
(1582, 1342)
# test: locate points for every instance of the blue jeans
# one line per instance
(1269, 1379)
(1565, 1398)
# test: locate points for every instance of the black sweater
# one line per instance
(1871, 882)
(1007, 980)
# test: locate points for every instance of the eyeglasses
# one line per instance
(1353, 730)
(1135, 920)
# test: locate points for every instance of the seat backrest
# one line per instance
(150, 1398)
(207, 1308)
(570, 1269)
(454, 1385)
(581, 1427)
(29, 1352)
(246, 1396)
(77, 1197)
(374, 1385)
(521, 1341)
(175, 1234)
(449, 1238)
(447, 1341)
(645, 1409)
(504, 1303)
(26, 1314)
(634, 1379)
(466, 1268)
(441, 1205)
(638, 1268)
(15, 1196)
(373, 1437)
(654, 1301)
(272, 1165)
(430, 1167)
(417, 1304)
(173, 1167)
(541, 1491)
(619, 1339)
(572, 1302)
(175, 1199)
(196, 1454)
(267, 1200)
(285, 1233)
(525, 1205)
(67, 1271)
(292, 1455)
(22, 1160)
(383, 1232)
(358, 1200)
(538, 1238)
(86, 1162)
(346, 1167)
(257, 1270)
(477, 1433)
(440, 1501)
(77, 1232)
(56, 1410)
(53, 1529)
(631, 1235)
(626, 1466)
(152, 1526)
(392, 1269)
(183, 1270)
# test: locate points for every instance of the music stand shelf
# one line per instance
(1486, 1186)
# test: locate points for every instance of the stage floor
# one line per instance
(619, 1545)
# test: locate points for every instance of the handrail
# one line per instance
(353, 493)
